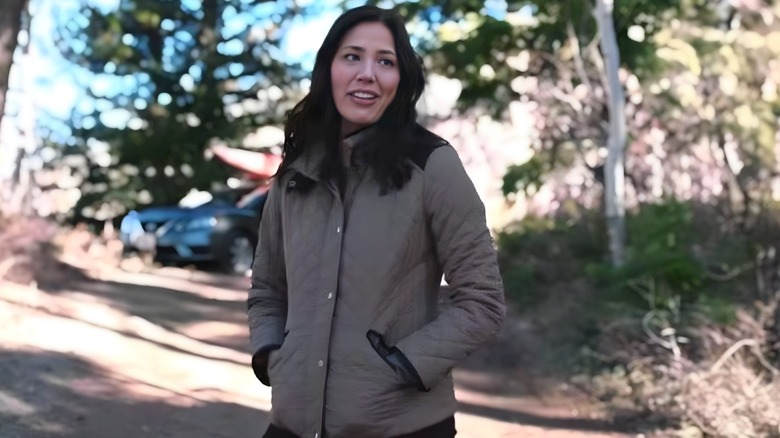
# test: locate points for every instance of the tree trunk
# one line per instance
(10, 21)
(614, 177)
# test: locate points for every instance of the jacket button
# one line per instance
(320, 363)
(330, 295)
(338, 229)
(292, 184)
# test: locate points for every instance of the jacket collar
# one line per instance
(310, 162)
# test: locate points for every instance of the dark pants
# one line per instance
(444, 429)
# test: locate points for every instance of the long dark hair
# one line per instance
(315, 121)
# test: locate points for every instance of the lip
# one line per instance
(373, 93)
(363, 102)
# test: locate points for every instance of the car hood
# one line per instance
(164, 214)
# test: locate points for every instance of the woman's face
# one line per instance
(364, 75)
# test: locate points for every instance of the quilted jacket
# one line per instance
(345, 297)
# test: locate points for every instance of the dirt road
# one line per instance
(164, 355)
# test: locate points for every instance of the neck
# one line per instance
(351, 131)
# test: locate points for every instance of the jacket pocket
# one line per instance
(397, 361)
(367, 393)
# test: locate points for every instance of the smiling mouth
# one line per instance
(363, 95)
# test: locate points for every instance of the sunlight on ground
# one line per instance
(133, 360)
(214, 287)
(212, 330)
(143, 359)
(13, 405)
(112, 385)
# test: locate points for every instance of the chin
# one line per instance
(361, 123)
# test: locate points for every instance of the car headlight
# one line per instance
(131, 226)
(201, 223)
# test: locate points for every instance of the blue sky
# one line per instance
(53, 76)
(48, 86)
(53, 87)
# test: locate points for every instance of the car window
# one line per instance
(257, 203)
(254, 200)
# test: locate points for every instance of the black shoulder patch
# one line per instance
(300, 183)
(424, 149)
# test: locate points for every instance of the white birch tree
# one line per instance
(614, 175)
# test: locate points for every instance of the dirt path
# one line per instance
(164, 355)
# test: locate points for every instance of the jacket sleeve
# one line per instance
(466, 252)
(267, 300)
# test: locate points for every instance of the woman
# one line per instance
(366, 213)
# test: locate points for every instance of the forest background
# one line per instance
(627, 154)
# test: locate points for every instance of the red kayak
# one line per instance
(257, 165)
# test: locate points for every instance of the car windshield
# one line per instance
(252, 198)
(196, 198)
(199, 198)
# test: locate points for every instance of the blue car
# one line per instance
(218, 231)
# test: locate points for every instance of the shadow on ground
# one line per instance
(206, 276)
(222, 322)
(54, 395)
(44, 394)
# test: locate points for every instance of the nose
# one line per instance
(366, 73)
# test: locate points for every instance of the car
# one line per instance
(216, 231)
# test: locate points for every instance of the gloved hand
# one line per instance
(396, 360)
(260, 364)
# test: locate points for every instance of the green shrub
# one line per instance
(537, 253)
(659, 264)
(672, 247)
(663, 272)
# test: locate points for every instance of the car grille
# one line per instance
(151, 227)
(201, 250)
(166, 251)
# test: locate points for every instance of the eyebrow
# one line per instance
(361, 49)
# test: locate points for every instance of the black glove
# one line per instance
(396, 360)
(260, 363)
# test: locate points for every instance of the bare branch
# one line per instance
(577, 54)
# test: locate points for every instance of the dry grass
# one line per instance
(736, 400)
(735, 390)
(722, 385)
(28, 253)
